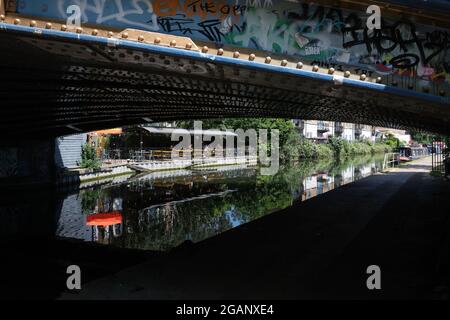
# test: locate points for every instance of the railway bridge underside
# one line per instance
(55, 83)
(58, 79)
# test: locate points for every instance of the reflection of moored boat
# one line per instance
(104, 219)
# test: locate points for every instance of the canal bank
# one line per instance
(319, 248)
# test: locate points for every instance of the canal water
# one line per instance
(160, 211)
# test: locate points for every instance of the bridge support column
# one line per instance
(26, 163)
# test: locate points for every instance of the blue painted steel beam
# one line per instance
(435, 115)
(261, 67)
(304, 29)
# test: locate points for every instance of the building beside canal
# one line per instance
(322, 130)
(68, 150)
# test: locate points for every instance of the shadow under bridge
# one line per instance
(57, 82)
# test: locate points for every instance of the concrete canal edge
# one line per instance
(89, 175)
(76, 176)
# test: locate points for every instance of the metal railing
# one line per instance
(438, 156)
(391, 159)
(447, 163)
(166, 155)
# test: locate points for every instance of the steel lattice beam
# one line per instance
(53, 81)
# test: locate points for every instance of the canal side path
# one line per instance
(320, 248)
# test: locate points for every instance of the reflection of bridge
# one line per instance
(58, 80)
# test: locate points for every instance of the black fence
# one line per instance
(440, 157)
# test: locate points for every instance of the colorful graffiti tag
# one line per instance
(323, 35)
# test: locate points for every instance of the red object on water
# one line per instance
(104, 219)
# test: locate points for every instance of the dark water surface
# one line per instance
(160, 211)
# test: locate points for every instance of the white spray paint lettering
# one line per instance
(98, 8)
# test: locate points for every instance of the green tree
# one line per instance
(89, 158)
(391, 141)
(422, 137)
(285, 126)
(337, 145)
(298, 147)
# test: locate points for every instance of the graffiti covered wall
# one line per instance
(26, 161)
(323, 35)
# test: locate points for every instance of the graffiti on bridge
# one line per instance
(213, 30)
(117, 13)
(315, 33)
(201, 9)
(416, 48)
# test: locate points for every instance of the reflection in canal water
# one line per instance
(159, 211)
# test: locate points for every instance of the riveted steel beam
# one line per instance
(221, 51)
(173, 81)
(390, 9)
(110, 33)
